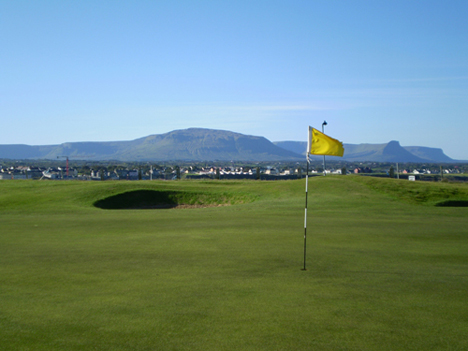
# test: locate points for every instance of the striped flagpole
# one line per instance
(305, 212)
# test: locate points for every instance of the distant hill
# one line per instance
(428, 153)
(197, 144)
(194, 144)
(389, 152)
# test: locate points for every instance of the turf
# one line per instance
(386, 268)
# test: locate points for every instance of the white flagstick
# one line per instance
(305, 212)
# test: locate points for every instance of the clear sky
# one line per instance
(375, 70)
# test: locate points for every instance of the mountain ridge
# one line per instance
(201, 144)
(193, 144)
(386, 152)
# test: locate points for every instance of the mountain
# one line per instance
(389, 152)
(194, 144)
(197, 144)
(428, 153)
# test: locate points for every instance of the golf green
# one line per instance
(217, 265)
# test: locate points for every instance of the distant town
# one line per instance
(101, 171)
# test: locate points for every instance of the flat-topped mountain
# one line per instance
(389, 152)
(194, 144)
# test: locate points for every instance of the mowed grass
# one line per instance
(385, 271)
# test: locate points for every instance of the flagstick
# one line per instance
(305, 214)
(319, 144)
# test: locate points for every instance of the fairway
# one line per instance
(220, 268)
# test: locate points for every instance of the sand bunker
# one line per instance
(153, 199)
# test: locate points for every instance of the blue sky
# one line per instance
(376, 71)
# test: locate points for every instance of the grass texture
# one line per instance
(387, 269)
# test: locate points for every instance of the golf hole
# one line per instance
(153, 199)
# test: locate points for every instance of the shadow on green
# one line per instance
(453, 203)
(156, 199)
(140, 199)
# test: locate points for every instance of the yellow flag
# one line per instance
(321, 144)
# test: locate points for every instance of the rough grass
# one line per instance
(384, 272)
(426, 193)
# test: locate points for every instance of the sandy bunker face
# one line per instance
(153, 199)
